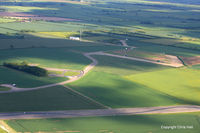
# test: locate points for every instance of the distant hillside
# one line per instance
(7, 0)
(179, 1)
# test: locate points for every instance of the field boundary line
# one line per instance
(88, 98)
(181, 60)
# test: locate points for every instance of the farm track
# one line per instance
(63, 72)
(84, 72)
(124, 43)
(138, 59)
(101, 112)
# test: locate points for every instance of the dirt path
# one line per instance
(101, 112)
(59, 69)
(84, 72)
(139, 59)
(124, 43)
(80, 72)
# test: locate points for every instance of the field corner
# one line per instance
(6, 127)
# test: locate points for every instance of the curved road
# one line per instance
(101, 112)
(85, 71)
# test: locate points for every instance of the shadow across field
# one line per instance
(54, 98)
(122, 67)
(116, 92)
(59, 53)
(31, 41)
(25, 80)
(48, 57)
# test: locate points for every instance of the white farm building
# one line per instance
(74, 38)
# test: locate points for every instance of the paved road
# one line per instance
(101, 112)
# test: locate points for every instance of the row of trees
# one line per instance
(34, 70)
(11, 36)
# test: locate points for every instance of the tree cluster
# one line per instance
(34, 70)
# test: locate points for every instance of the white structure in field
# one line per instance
(74, 38)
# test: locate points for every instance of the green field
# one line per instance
(139, 54)
(132, 83)
(39, 42)
(2, 88)
(118, 66)
(4, 20)
(114, 124)
(182, 83)
(8, 76)
(39, 26)
(46, 57)
(2, 131)
(160, 49)
(196, 67)
(117, 92)
(54, 98)
(71, 73)
(108, 85)
(24, 9)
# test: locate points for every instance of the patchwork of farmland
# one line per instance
(114, 62)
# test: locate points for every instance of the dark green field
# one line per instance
(132, 84)
(114, 124)
(46, 57)
(8, 76)
(124, 67)
(2, 88)
(117, 92)
(54, 98)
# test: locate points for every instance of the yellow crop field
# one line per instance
(190, 40)
(5, 20)
(60, 34)
(25, 8)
